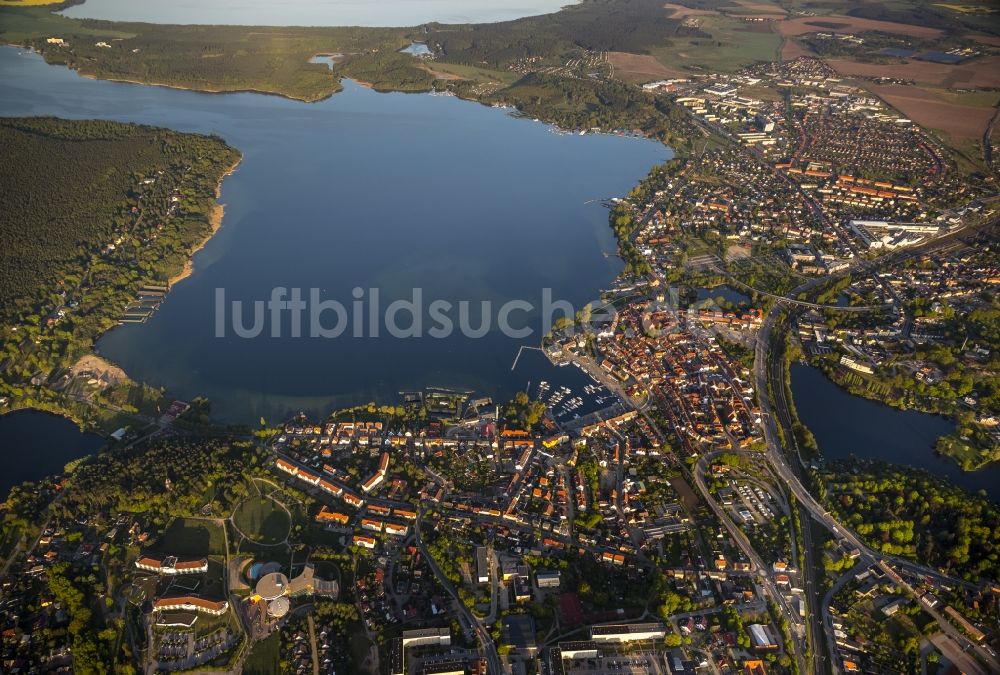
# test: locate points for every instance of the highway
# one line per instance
(764, 367)
(810, 568)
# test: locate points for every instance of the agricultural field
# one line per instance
(967, 9)
(960, 116)
(641, 67)
(729, 44)
(981, 73)
(850, 24)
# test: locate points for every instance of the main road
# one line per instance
(740, 537)
(486, 640)
(763, 367)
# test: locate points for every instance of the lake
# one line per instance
(38, 444)
(314, 12)
(363, 190)
(846, 425)
(417, 49)
(724, 291)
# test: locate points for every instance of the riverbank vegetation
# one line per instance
(266, 59)
(955, 375)
(94, 211)
(276, 59)
(523, 412)
(899, 511)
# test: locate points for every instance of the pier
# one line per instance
(147, 301)
(521, 349)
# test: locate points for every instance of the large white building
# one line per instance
(547, 578)
(172, 565)
(628, 632)
(482, 565)
(191, 603)
(878, 234)
(414, 638)
(762, 637)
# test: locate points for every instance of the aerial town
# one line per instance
(666, 530)
(672, 516)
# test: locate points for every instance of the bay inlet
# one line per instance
(363, 190)
(846, 425)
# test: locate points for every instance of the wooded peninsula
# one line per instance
(94, 212)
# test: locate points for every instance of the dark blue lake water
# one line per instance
(37, 444)
(846, 425)
(366, 190)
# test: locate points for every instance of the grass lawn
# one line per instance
(207, 624)
(188, 537)
(315, 535)
(265, 657)
(473, 73)
(262, 520)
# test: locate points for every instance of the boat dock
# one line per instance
(147, 300)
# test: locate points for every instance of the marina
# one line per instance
(146, 302)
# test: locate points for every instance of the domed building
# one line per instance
(278, 607)
(271, 586)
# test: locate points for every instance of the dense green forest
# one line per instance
(91, 211)
(69, 189)
(276, 60)
(597, 25)
(576, 103)
(899, 511)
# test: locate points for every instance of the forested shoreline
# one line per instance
(91, 212)
(276, 60)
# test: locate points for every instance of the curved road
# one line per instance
(763, 358)
(488, 646)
